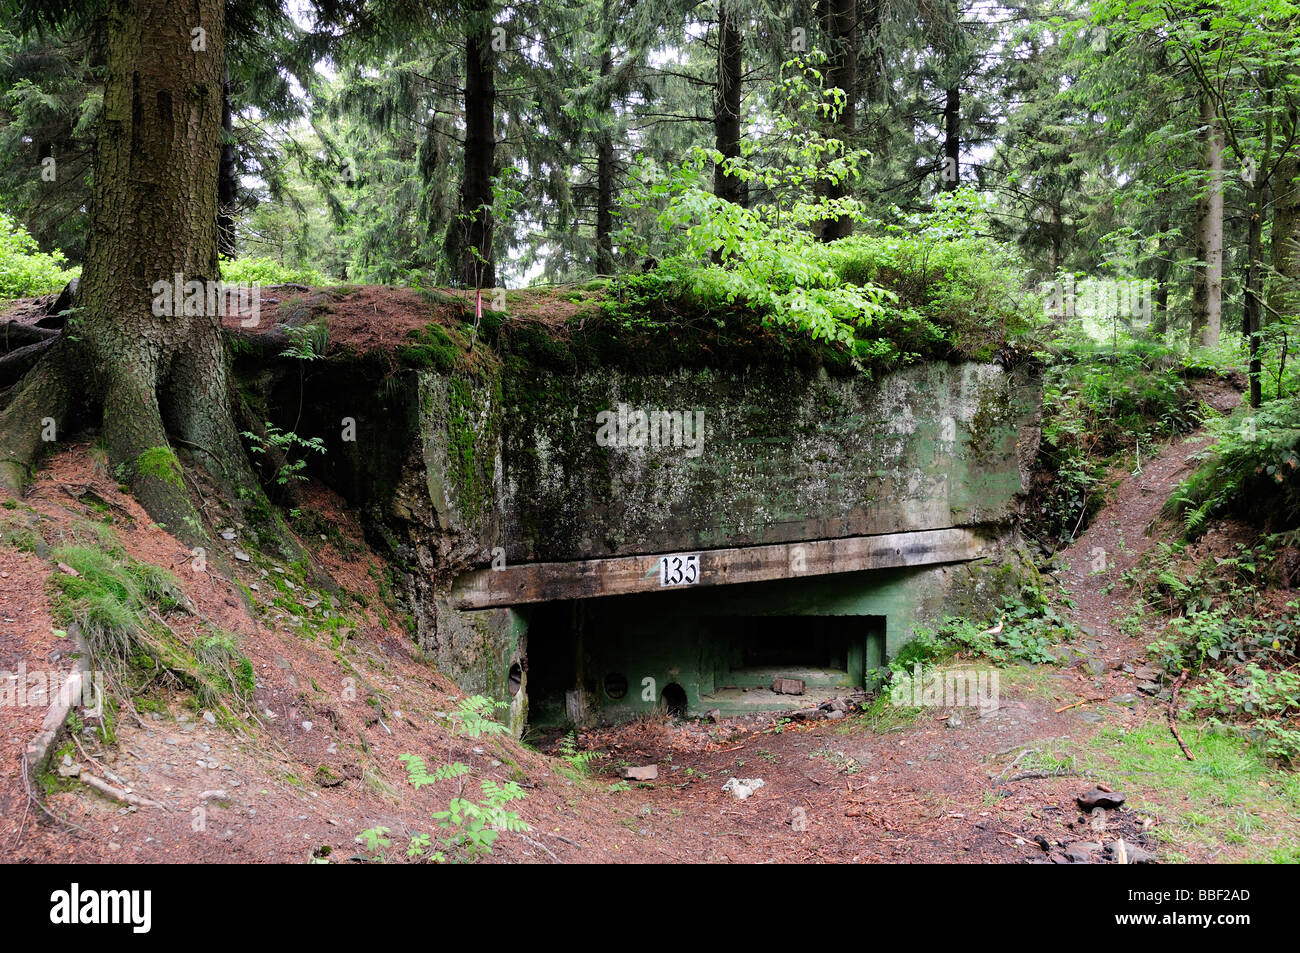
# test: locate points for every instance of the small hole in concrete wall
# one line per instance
(615, 685)
(516, 678)
(673, 700)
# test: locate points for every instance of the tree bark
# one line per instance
(1207, 287)
(1160, 317)
(1284, 288)
(1254, 291)
(839, 21)
(726, 103)
(472, 245)
(227, 178)
(605, 187)
(952, 139)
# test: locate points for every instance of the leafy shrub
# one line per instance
(1254, 472)
(1025, 632)
(268, 271)
(26, 271)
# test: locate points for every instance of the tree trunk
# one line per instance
(1207, 287)
(839, 21)
(952, 140)
(227, 178)
(726, 103)
(472, 241)
(1254, 291)
(1160, 317)
(1284, 288)
(605, 188)
(153, 216)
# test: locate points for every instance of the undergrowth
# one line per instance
(1242, 656)
(124, 608)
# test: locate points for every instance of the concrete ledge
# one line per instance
(622, 575)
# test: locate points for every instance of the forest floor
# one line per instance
(341, 693)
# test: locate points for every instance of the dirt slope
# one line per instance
(315, 760)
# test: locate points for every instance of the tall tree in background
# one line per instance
(726, 104)
(839, 20)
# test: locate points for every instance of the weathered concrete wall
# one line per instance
(786, 456)
(458, 470)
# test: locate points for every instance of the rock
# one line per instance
(788, 686)
(1082, 852)
(242, 556)
(1098, 821)
(210, 718)
(1097, 667)
(838, 704)
(1128, 699)
(68, 769)
(1149, 688)
(807, 714)
(954, 721)
(741, 788)
(834, 715)
(227, 534)
(1131, 854)
(1099, 798)
(1149, 673)
(649, 772)
(714, 715)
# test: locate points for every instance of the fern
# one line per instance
(475, 714)
(418, 773)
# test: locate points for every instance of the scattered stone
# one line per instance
(1098, 821)
(1082, 852)
(788, 686)
(834, 715)
(741, 788)
(227, 534)
(1122, 852)
(1127, 699)
(306, 726)
(954, 721)
(838, 704)
(1149, 673)
(649, 772)
(242, 556)
(1097, 667)
(714, 715)
(68, 769)
(1149, 688)
(210, 718)
(1099, 798)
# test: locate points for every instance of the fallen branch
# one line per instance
(117, 794)
(536, 843)
(1173, 714)
(1028, 775)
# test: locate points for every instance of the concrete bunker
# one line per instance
(826, 517)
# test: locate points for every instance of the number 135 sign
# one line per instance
(679, 570)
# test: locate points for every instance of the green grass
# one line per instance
(1230, 797)
(121, 607)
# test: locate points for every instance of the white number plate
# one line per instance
(679, 570)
